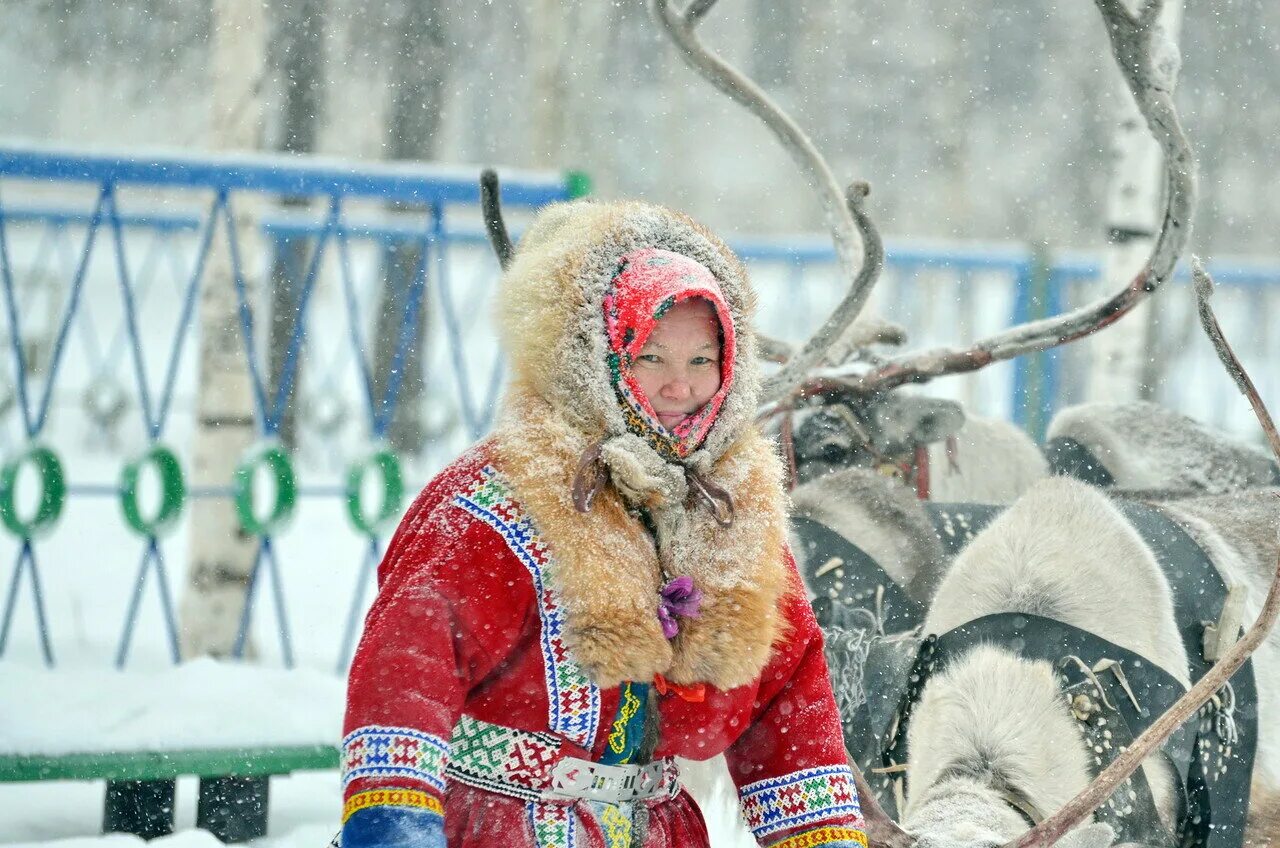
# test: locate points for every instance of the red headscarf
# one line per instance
(647, 284)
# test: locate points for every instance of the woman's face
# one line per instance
(679, 366)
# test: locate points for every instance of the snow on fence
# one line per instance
(102, 262)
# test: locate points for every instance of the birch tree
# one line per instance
(299, 46)
(419, 69)
(221, 554)
(1119, 359)
(548, 46)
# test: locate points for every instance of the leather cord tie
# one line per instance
(717, 500)
(590, 478)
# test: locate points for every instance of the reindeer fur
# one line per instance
(993, 721)
(992, 462)
(1238, 532)
(880, 516)
(1146, 446)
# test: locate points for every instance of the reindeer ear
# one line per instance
(1096, 835)
(907, 420)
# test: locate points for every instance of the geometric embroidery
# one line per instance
(391, 798)
(799, 798)
(552, 824)
(500, 759)
(824, 836)
(376, 751)
(573, 699)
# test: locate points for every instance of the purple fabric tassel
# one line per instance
(677, 598)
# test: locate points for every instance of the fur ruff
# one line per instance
(608, 569)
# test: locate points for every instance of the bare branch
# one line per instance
(494, 225)
(1052, 828)
(882, 831)
(1132, 44)
(858, 245)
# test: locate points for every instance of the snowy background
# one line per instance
(981, 127)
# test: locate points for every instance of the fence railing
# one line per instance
(102, 264)
(110, 255)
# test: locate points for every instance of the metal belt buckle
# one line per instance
(575, 778)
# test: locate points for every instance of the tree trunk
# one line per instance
(299, 38)
(418, 73)
(548, 40)
(1118, 369)
(221, 555)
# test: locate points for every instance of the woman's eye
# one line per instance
(701, 360)
(651, 358)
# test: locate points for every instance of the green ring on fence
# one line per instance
(388, 465)
(53, 491)
(173, 488)
(277, 460)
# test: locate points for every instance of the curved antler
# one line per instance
(1134, 45)
(857, 242)
(1052, 828)
(494, 225)
(882, 831)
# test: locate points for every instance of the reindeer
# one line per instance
(929, 809)
(1139, 445)
(992, 743)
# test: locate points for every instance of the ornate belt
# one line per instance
(542, 767)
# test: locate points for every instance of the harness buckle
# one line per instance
(582, 779)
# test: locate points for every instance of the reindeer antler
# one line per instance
(1052, 828)
(857, 242)
(1134, 45)
(881, 831)
(494, 225)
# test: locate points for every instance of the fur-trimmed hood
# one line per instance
(562, 402)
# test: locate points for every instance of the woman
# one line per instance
(603, 584)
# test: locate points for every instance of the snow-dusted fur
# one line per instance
(993, 722)
(1146, 446)
(881, 517)
(561, 401)
(1239, 533)
(994, 462)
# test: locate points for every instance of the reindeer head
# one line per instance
(876, 431)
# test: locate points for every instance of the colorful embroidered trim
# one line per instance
(552, 824)
(800, 798)
(376, 751)
(573, 700)
(391, 798)
(823, 836)
(628, 726)
(501, 759)
(615, 824)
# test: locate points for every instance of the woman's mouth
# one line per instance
(671, 419)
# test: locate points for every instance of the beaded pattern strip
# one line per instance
(391, 798)
(378, 751)
(552, 824)
(802, 797)
(573, 700)
(824, 836)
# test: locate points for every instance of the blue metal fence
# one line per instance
(133, 321)
(58, 254)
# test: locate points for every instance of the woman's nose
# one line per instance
(676, 389)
